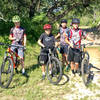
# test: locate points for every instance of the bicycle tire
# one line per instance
(65, 80)
(86, 55)
(85, 71)
(58, 71)
(10, 70)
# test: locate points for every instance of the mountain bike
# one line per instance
(53, 65)
(84, 68)
(10, 62)
(87, 73)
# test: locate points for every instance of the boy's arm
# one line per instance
(66, 40)
(11, 37)
(25, 40)
(40, 39)
(85, 36)
(89, 38)
(40, 43)
(57, 36)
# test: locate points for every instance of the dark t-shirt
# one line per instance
(47, 40)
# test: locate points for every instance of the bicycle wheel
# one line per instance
(64, 79)
(54, 71)
(85, 71)
(86, 55)
(6, 72)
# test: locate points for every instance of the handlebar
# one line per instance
(12, 45)
(87, 44)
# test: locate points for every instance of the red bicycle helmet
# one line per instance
(47, 26)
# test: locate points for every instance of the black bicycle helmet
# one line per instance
(75, 21)
(63, 21)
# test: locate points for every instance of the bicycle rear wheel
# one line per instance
(54, 71)
(6, 72)
(85, 71)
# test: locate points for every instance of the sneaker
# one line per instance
(23, 71)
(43, 77)
(72, 75)
(67, 68)
(16, 70)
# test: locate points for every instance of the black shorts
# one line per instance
(44, 56)
(63, 49)
(74, 55)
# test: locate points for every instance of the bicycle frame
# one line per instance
(11, 54)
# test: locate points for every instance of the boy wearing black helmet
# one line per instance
(74, 42)
(63, 32)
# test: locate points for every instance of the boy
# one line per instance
(64, 31)
(74, 42)
(18, 37)
(46, 40)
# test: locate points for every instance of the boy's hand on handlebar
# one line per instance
(71, 45)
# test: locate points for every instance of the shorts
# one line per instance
(64, 49)
(19, 51)
(43, 58)
(74, 55)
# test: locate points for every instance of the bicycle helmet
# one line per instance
(47, 26)
(63, 21)
(16, 18)
(75, 21)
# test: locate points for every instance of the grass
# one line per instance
(33, 88)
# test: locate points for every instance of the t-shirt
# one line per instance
(62, 36)
(76, 37)
(18, 33)
(47, 40)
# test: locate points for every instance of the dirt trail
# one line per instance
(81, 92)
(94, 56)
(95, 60)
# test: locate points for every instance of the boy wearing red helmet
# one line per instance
(46, 40)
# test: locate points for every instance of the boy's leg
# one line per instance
(63, 59)
(22, 64)
(71, 59)
(76, 67)
(21, 55)
(66, 57)
(43, 61)
(63, 56)
(43, 72)
(72, 67)
(77, 60)
(67, 63)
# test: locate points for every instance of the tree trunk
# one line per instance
(33, 7)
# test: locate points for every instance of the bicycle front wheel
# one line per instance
(85, 71)
(6, 72)
(54, 71)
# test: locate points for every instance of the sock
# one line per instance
(50, 72)
(23, 70)
(43, 73)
